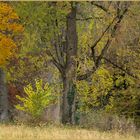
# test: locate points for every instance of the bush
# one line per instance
(36, 100)
(104, 122)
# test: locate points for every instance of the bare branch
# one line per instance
(99, 6)
(104, 50)
(99, 39)
(121, 68)
(55, 62)
(113, 33)
(88, 18)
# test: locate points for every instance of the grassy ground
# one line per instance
(15, 132)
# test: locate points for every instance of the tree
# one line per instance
(9, 28)
(69, 72)
(59, 41)
(37, 99)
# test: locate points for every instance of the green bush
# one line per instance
(36, 100)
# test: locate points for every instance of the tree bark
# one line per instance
(69, 73)
(3, 97)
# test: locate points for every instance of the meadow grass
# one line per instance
(23, 132)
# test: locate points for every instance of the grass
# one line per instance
(22, 132)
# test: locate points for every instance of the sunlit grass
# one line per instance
(22, 132)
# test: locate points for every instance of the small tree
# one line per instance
(36, 100)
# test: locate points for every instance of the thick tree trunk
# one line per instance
(69, 74)
(68, 102)
(3, 97)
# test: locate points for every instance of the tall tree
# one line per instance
(8, 38)
(69, 72)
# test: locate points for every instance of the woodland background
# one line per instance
(71, 63)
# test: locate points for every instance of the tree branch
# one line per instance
(88, 18)
(121, 68)
(99, 39)
(57, 64)
(104, 50)
(99, 6)
(86, 75)
(113, 33)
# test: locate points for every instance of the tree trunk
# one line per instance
(69, 74)
(68, 102)
(3, 97)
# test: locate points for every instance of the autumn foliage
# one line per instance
(9, 28)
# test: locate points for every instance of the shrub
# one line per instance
(103, 121)
(94, 95)
(36, 100)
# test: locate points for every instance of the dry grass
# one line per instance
(11, 132)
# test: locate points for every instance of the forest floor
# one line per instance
(22, 132)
